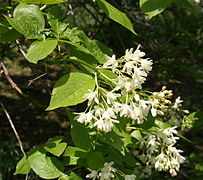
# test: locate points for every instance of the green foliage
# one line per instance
(115, 14)
(41, 49)
(67, 92)
(41, 1)
(89, 148)
(80, 136)
(44, 166)
(55, 147)
(23, 166)
(28, 20)
(154, 7)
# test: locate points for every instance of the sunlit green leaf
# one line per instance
(44, 166)
(23, 166)
(70, 90)
(28, 20)
(115, 14)
(40, 49)
(41, 1)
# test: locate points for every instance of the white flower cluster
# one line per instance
(132, 70)
(104, 107)
(159, 151)
(107, 173)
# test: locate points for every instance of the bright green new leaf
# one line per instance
(54, 146)
(41, 1)
(55, 149)
(95, 160)
(115, 14)
(136, 134)
(23, 166)
(154, 7)
(75, 152)
(45, 167)
(40, 49)
(161, 124)
(70, 90)
(28, 20)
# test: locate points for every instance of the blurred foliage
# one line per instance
(173, 39)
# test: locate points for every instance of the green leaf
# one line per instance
(45, 167)
(136, 134)
(41, 1)
(23, 166)
(54, 15)
(115, 14)
(41, 49)
(105, 75)
(75, 152)
(54, 146)
(4, 26)
(70, 89)
(80, 136)
(95, 160)
(70, 176)
(129, 159)
(154, 7)
(114, 140)
(161, 124)
(28, 20)
(74, 176)
(83, 55)
(55, 149)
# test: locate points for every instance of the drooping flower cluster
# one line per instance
(158, 151)
(126, 98)
(107, 173)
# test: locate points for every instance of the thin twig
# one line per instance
(31, 81)
(21, 49)
(14, 85)
(26, 177)
(14, 129)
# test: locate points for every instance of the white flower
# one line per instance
(111, 62)
(84, 117)
(105, 125)
(128, 86)
(146, 64)
(128, 67)
(125, 110)
(93, 175)
(98, 111)
(120, 82)
(107, 171)
(154, 112)
(130, 177)
(136, 55)
(177, 103)
(170, 131)
(92, 95)
(108, 114)
(111, 97)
